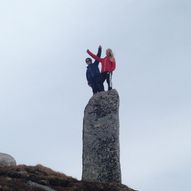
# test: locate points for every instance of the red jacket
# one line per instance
(107, 64)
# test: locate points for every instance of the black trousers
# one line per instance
(97, 85)
(107, 76)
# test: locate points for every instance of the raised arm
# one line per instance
(94, 56)
(98, 54)
(99, 51)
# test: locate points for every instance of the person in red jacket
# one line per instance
(108, 66)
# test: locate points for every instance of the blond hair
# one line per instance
(111, 55)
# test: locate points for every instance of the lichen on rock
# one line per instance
(101, 155)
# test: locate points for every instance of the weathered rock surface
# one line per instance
(101, 155)
(7, 160)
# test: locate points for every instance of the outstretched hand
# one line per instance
(87, 50)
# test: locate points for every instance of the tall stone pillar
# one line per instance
(101, 154)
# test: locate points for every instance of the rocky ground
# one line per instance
(40, 178)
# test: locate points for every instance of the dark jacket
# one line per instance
(92, 72)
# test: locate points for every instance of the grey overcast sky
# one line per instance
(43, 89)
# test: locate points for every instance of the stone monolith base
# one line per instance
(101, 161)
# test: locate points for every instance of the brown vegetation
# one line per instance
(40, 178)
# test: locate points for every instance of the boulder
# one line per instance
(7, 160)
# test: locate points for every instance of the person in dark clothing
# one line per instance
(108, 66)
(93, 75)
